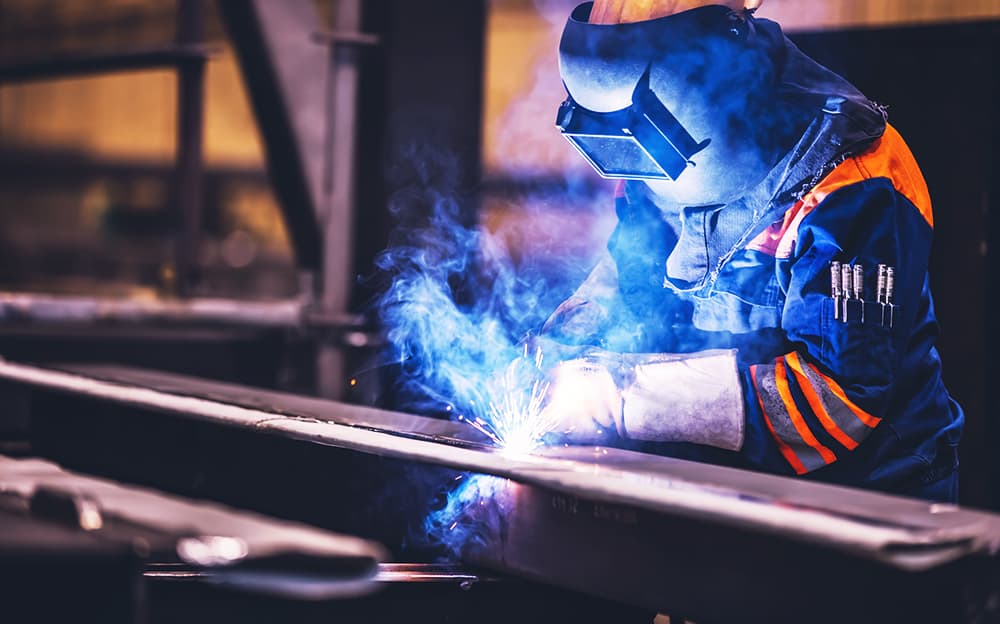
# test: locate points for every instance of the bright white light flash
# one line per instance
(512, 405)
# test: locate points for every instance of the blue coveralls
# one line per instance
(852, 403)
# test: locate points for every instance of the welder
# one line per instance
(739, 315)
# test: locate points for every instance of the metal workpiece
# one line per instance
(385, 573)
(714, 575)
(229, 546)
(51, 309)
(429, 573)
(18, 309)
(415, 593)
(615, 475)
(666, 526)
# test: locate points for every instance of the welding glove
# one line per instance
(693, 398)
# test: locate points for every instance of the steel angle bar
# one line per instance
(229, 546)
(130, 59)
(20, 307)
(705, 541)
(283, 70)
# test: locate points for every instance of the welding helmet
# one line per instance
(650, 100)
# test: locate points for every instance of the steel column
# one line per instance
(189, 187)
(340, 148)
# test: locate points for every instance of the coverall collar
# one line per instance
(845, 122)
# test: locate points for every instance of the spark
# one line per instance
(514, 418)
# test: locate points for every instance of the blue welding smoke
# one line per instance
(461, 301)
(462, 292)
(451, 332)
(470, 513)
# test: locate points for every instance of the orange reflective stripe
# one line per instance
(888, 157)
(781, 423)
(816, 404)
(786, 451)
(835, 388)
(781, 380)
(893, 159)
(840, 412)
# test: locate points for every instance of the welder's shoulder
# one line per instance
(887, 160)
(883, 175)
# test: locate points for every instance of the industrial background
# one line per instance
(202, 188)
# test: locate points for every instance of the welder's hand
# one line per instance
(584, 403)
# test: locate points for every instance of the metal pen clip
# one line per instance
(859, 288)
(880, 289)
(847, 286)
(835, 291)
(890, 291)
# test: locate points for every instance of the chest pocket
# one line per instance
(857, 351)
(745, 297)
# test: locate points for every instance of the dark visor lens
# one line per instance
(643, 141)
(617, 157)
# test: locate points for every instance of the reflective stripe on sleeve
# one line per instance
(848, 416)
(797, 443)
(786, 451)
(838, 420)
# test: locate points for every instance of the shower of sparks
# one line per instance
(510, 408)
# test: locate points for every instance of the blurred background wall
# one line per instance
(86, 162)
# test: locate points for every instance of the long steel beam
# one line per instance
(707, 542)
(229, 546)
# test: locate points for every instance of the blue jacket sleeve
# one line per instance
(816, 404)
